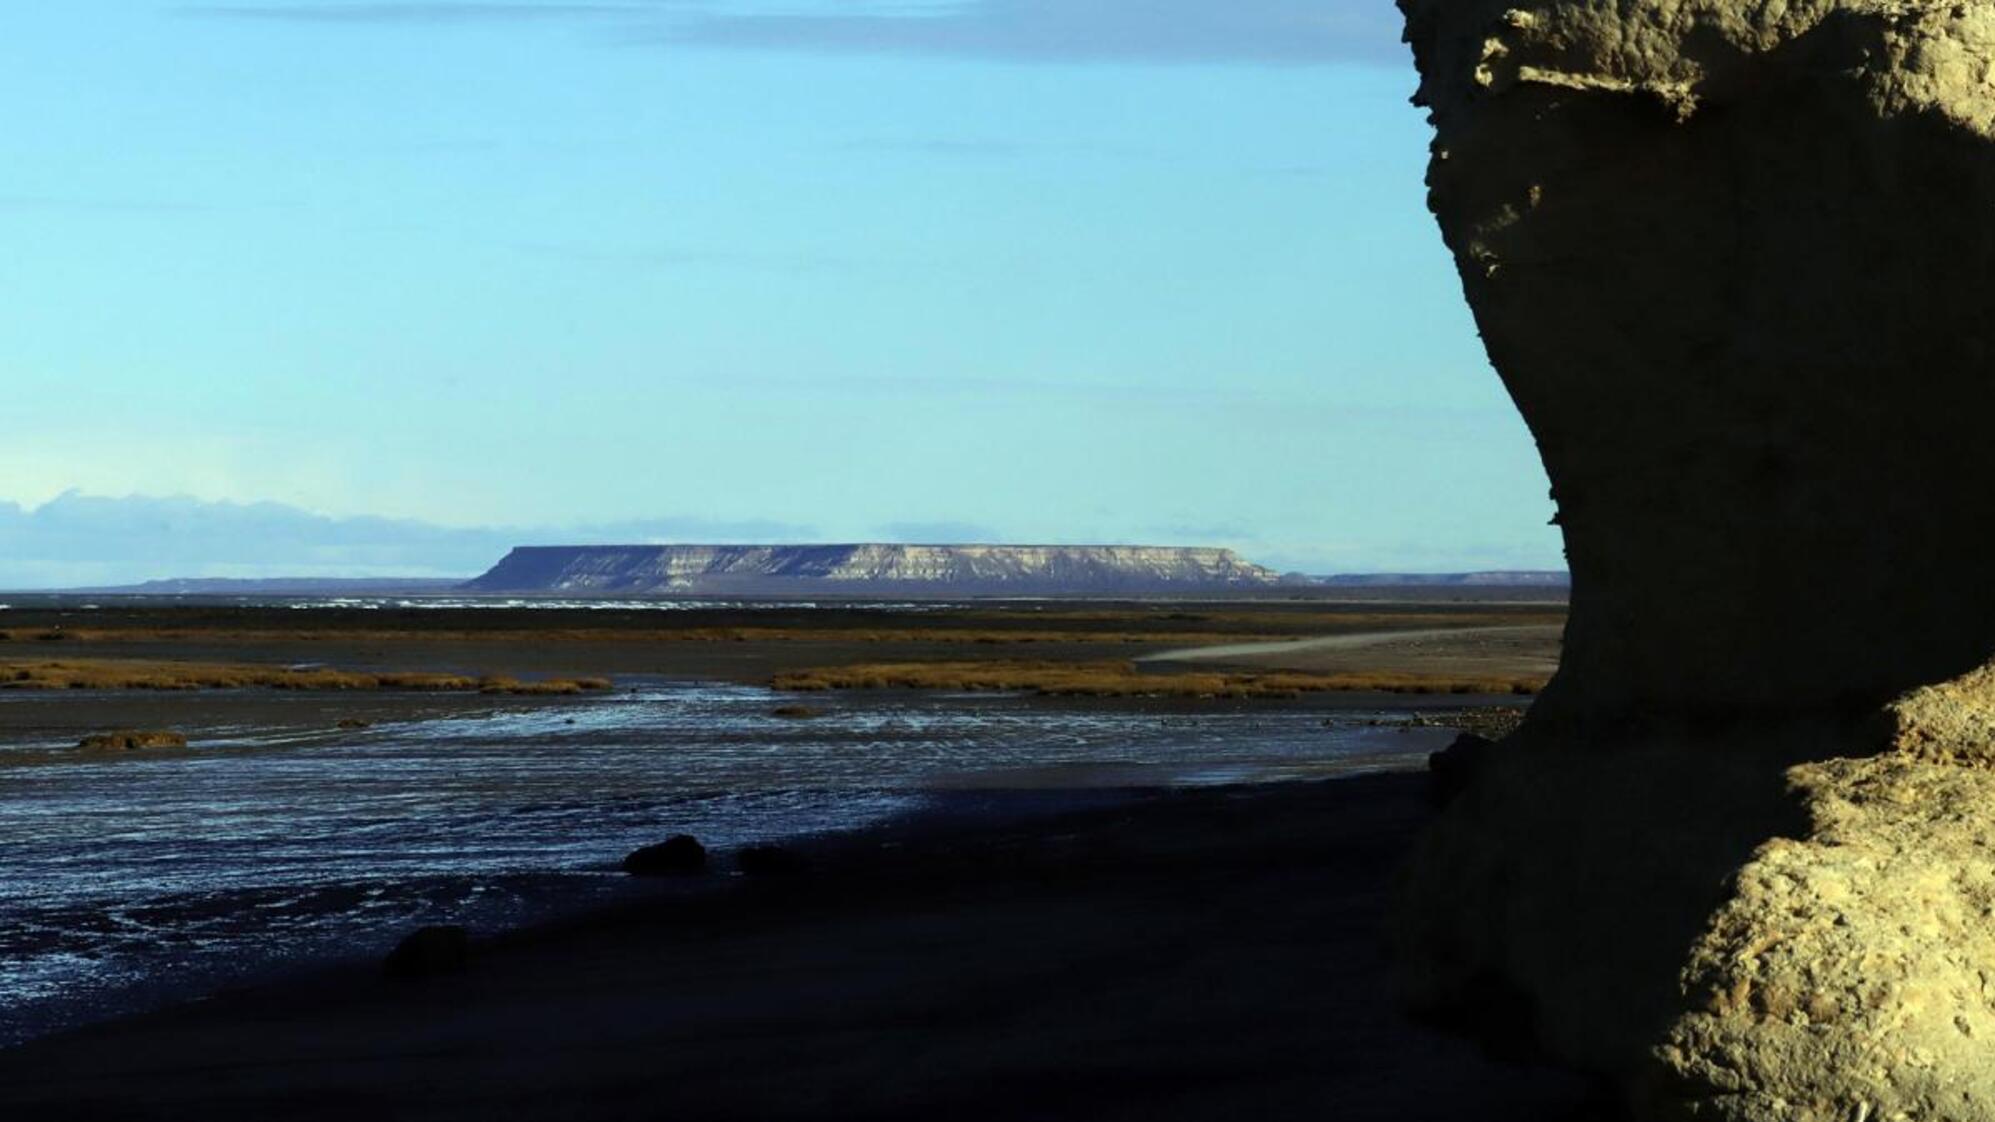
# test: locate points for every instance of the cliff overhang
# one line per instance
(1731, 260)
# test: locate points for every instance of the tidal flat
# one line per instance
(1095, 860)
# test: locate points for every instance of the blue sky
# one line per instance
(1046, 270)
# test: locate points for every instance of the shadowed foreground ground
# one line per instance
(1211, 955)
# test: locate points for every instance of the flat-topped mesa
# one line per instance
(1733, 261)
(867, 569)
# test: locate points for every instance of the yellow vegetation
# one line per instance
(129, 740)
(1122, 679)
(1182, 629)
(133, 674)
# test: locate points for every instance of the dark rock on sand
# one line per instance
(429, 952)
(680, 855)
(1453, 769)
(1211, 955)
(129, 740)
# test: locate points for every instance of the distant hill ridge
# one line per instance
(866, 568)
(1500, 578)
(282, 586)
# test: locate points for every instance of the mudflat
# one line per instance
(1188, 954)
(1192, 955)
(1450, 646)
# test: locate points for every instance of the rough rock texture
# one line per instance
(1851, 974)
(1557, 897)
(1730, 929)
(1732, 259)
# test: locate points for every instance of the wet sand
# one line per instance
(731, 643)
(1469, 652)
(1444, 638)
(1194, 955)
(1205, 955)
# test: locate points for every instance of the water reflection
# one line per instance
(132, 880)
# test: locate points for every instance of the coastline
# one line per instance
(1070, 928)
(1185, 953)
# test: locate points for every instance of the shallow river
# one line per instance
(138, 879)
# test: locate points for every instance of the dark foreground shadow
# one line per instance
(1211, 955)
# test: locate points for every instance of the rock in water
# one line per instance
(678, 855)
(1732, 260)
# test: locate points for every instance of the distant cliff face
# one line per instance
(861, 569)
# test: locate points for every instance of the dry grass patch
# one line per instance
(132, 740)
(546, 687)
(133, 674)
(1122, 679)
(967, 635)
(985, 627)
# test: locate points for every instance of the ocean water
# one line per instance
(135, 880)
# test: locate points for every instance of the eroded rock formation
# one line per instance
(1732, 259)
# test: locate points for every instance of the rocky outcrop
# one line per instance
(1852, 972)
(1731, 259)
(859, 570)
(678, 855)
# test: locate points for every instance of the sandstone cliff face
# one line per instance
(868, 569)
(1852, 972)
(1732, 259)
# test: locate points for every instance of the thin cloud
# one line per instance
(102, 205)
(695, 257)
(1293, 32)
(935, 146)
(411, 13)
(1281, 32)
(983, 148)
(939, 533)
(1202, 533)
